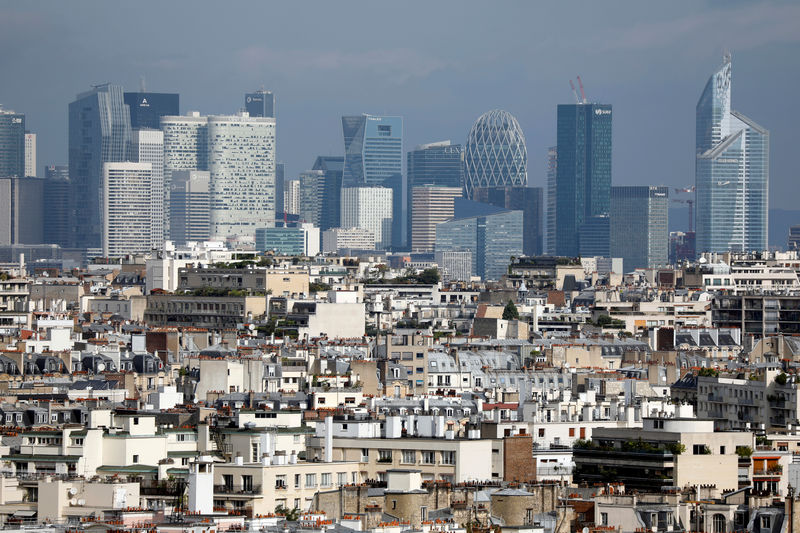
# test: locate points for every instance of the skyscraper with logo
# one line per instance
(147, 108)
(12, 143)
(373, 157)
(260, 103)
(731, 172)
(99, 132)
(583, 177)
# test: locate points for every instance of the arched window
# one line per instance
(719, 523)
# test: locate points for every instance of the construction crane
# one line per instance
(687, 201)
(580, 84)
(572, 85)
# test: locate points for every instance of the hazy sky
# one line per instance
(438, 64)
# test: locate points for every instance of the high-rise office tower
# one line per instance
(552, 166)
(99, 132)
(373, 148)
(127, 204)
(440, 164)
(731, 172)
(147, 108)
(430, 205)
(190, 206)
(147, 146)
(12, 143)
(492, 240)
(495, 153)
(21, 215)
(280, 183)
(312, 186)
(369, 208)
(331, 206)
(291, 197)
(260, 104)
(583, 175)
(55, 204)
(638, 225)
(241, 160)
(525, 199)
(30, 154)
(185, 147)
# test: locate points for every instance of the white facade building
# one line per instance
(147, 146)
(185, 147)
(369, 208)
(291, 197)
(241, 160)
(30, 155)
(336, 239)
(127, 204)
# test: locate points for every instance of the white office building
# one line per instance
(291, 197)
(369, 208)
(241, 160)
(30, 155)
(147, 146)
(336, 239)
(127, 204)
(185, 148)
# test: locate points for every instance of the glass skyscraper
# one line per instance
(331, 203)
(552, 166)
(373, 157)
(439, 164)
(583, 172)
(12, 144)
(495, 153)
(147, 108)
(525, 199)
(99, 132)
(639, 226)
(731, 172)
(260, 104)
(492, 240)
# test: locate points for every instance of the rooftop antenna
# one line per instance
(580, 84)
(726, 56)
(142, 86)
(572, 85)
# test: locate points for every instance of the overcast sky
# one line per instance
(438, 64)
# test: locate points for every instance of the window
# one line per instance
(448, 458)
(135, 420)
(428, 458)
(541, 432)
(409, 457)
(364, 455)
(423, 512)
(311, 480)
(297, 481)
(254, 446)
(571, 432)
(719, 523)
(341, 478)
(326, 479)
(765, 522)
(135, 458)
(603, 519)
(247, 483)
(384, 456)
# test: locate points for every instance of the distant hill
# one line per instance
(779, 222)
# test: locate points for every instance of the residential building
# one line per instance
(12, 143)
(731, 172)
(302, 239)
(583, 172)
(373, 147)
(127, 205)
(214, 312)
(495, 153)
(336, 239)
(241, 160)
(147, 108)
(260, 103)
(757, 314)
(525, 199)
(55, 198)
(190, 206)
(147, 146)
(439, 164)
(431, 205)
(30, 155)
(369, 208)
(492, 240)
(99, 132)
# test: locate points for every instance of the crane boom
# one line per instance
(572, 86)
(580, 84)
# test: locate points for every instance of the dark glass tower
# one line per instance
(639, 233)
(12, 144)
(583, 175)
(439, 164)
(280, 170)
(55, 203)
(525, 199)
(260, 104)
(330, 208)
(147, 108)
(99, 132)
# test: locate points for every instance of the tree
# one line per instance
(429, 276)
(510, 312)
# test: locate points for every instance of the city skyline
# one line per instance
(674, 53)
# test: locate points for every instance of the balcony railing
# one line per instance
(237, 489)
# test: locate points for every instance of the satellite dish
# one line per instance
(81, 502)
(585, 530)
(100, 368)
(251, 327)
(72, 491)
(73, 502)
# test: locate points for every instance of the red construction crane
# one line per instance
(580, 84)
(572, 85)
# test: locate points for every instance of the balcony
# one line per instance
(237, 489)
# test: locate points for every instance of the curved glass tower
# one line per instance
(495, 153)
(731, 172)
